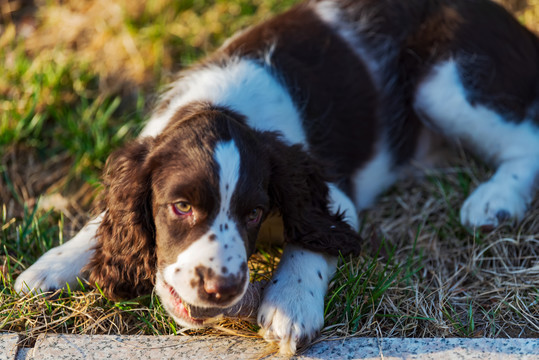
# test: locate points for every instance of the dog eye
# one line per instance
(182, 208)
(254, 216)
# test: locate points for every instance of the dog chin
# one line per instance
(180, 310)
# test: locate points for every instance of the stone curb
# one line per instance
(8, 346)
(61, 346)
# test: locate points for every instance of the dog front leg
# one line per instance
(292, 310)
(61, 265)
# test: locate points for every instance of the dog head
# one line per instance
(183, 210)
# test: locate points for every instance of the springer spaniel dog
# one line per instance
(311, 114)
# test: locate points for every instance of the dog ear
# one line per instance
(123, 265)
(298, 188)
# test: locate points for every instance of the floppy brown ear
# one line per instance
(123, 265)
(298, 188)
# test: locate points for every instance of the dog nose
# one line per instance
(222, 291)
(219, 289)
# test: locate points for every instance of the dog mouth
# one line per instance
(195, 315)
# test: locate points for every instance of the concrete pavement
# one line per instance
(61, 346)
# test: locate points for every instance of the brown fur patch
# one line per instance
(124, 261)
(435, 35)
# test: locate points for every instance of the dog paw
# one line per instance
(61, 265)
(491, 204)
(290, 315)
(51, 272)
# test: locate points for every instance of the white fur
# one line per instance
(340, 202)
(227, 250)
(243, 86)
(299, 315)
(61, 265)
(443, 98)
(374, 177)
(292, 309)
(228, 158)
(514, 148)
(508, 193)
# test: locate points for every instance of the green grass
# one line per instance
(61, 99)
(67, 103)
(49, 114)
(361, 285)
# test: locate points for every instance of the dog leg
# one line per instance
(513, 147)
(292, 309)
(61, 265)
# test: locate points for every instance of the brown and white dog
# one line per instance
(313, 114)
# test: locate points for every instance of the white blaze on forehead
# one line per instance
(227, 157)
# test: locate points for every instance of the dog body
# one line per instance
(312, 114)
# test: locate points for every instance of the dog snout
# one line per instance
(220, 289)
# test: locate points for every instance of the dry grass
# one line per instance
(421, 273)
(452, 282)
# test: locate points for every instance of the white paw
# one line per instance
(61, 265)
(50, 272)
(58, 266)
(291, 313)
(491, 204)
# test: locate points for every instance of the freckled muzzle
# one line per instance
(211, 272)
(215, 295)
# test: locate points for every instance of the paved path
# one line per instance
(230, 347)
